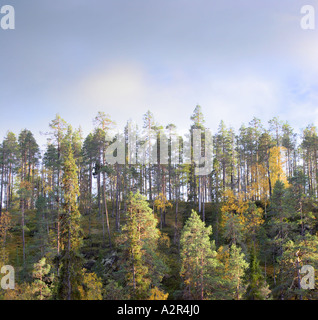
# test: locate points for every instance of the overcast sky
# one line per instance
(237, 59)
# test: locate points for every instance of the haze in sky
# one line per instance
(237, 59)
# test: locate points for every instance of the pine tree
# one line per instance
(41, 235)
(198, 257)
(43, 280)
(161, 203)
(70, 277)
(253, 220)
(5, 224)
(8, 156)
(59, 128)
(138, 241)
(279, 225)
(148, 125)
(224, 152)
(233, 229)
(91, 288)
(104, 126)
(195, 183)
(257, 289)
(114, 291)
(231, 271)
(28, 156)
(298, 253)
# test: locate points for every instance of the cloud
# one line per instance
(237, 60)
(117, 87)
(244, 95)
(127, 90)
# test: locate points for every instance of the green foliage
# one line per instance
(233, 229)
(302, 251)
(91, 288)
(231, 270)
(114, 291)
(138, 242)
(70, 276)
(57, 207)
(257, 288)
(198, 257)
(43, 280)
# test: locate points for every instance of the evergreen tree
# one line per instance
(257, 289)
(138, 241)
(298, 253)
(114, 291)
(91, 288)
(279, 225)
(70, 277)
(28, 156)
(8, 157)
(230, 272)
(43, 280)
(41, 235)
(5, 224)
(59, 128)
(198, 257)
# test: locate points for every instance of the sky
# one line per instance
(237, 59)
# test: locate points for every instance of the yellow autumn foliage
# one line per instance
(161, 202)
(233, 204)
(277, 162)
(93, 286)
(157, 294)
(238, 205)
(260, 187)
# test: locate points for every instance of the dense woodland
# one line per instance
(74, 226)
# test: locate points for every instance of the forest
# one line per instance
(76, 227)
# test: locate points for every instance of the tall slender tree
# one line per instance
(70, 277)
